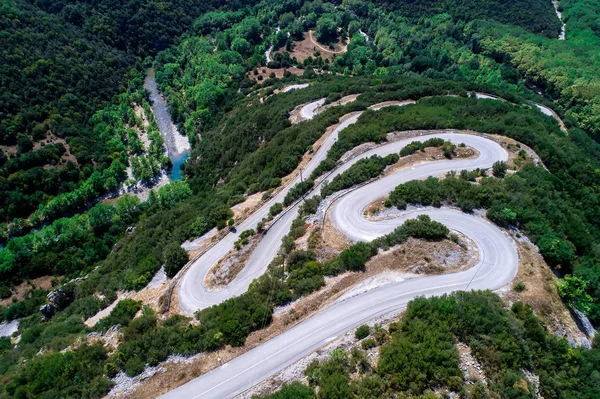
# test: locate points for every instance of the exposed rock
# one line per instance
(47, 311)
(584, 324)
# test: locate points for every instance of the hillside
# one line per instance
(534, 16)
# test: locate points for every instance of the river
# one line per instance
(178, 145)
(562, 34)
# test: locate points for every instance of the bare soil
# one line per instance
(265, 73)
(228, 267)
(426, 257)
(22, 290)
(52, 139)
(540, 292)
(310, 47)
(243, 209)
(470, 366)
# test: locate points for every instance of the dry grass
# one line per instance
(541, 294)
(310, 47)
(21, 290)
(265, 72)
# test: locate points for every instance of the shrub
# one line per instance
(519, 287)
(368, 343)
(362, 332)
(134, 366)
(355, 257)
(122, 314)
(175, 258)
(499, 169)
(276, 209)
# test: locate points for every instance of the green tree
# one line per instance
(175, 258)
(126, 206)
(173, 193)
(241, 46)
(499, 169)
(555, 250)
(573, 291)
(362, 332)
(101, 216)
(327, 29)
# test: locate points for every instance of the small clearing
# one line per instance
(472, 369)
(310, 47)
(22, 290)
(8, 328)
(264, 73)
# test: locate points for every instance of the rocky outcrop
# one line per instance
(58, 299)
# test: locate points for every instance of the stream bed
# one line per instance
(178, 145)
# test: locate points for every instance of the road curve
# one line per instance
(193, 295)
(496, 267)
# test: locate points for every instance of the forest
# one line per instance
(71, 123)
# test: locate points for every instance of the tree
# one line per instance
(175, 258)
(326, 31)
(334, 386)
(499, 169)
(241, 46)
(286, 20)
(250, 29)
(100, 217)
(173, 193)
(294, 390)
(362, 332)
(126, 205)
(573, 291)
(199, 226)
(355, 257)
(555, 250)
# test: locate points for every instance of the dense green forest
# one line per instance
(418, 357)
(534, 16)
(142, 27)
(70, 124)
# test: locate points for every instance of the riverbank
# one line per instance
(178, 145)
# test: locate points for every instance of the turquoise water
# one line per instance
(177, 162)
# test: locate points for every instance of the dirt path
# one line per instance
(314, 41)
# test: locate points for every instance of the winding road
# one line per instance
(193, 295)
(497, 265)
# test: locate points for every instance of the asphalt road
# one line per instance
(497, 266)
(193, 295)
(308, 111)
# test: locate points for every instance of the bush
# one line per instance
(355, 257)
(360, 172)
(122, 314)
(276, 209)
(368, 343)
(362, 332)
(175, 258)
(420, 146)
(499, 169)
(519, 287)
(134, 366)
